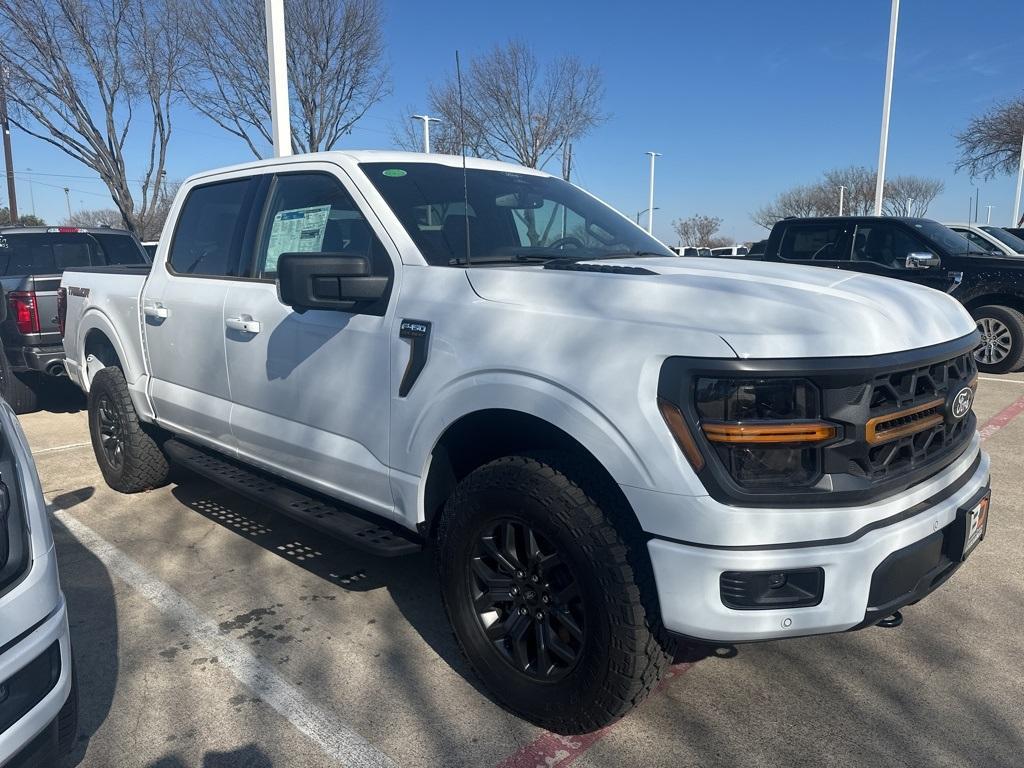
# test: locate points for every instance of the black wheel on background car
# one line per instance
(550, 593)
(128, 452)
(1002, 339)
(17, 388)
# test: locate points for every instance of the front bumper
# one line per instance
(688, 575)
(23, 734)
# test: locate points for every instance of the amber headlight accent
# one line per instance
(681, 432)
(765, 431)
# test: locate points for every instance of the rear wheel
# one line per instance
(18, 389)
(1002, 339)
(550, 593)
(128, 452)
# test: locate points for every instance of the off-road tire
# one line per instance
(17, 388)
(625, 650)
(1013, 321)
(144, 464)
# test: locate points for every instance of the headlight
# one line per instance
(766, 432)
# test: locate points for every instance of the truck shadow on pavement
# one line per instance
(411, 580)
(92, 616)
(249, 756)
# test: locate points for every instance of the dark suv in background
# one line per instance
(990, 286)
(32, 260)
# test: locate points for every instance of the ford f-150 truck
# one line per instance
(990, 285)
(607, 446)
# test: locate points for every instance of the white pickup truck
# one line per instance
(609, 447)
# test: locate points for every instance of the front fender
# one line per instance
(527, 393)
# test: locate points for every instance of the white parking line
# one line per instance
(1001, 380)
(56, 448)
(335, 737)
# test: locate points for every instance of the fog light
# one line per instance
(764, 590)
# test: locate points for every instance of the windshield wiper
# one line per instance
(625, 255)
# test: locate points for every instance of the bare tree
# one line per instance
(518, 110)
(697, 230)
(336, 68)
(910, 195)
(858, 195)
(990, 144)
(98, 217)
(445, 138)
(81, 71)
(800, 201)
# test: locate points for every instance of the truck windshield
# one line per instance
(510, 217)
(1006, 238)
(945, 237)
(46, 253)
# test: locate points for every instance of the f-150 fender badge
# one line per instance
(418, 332)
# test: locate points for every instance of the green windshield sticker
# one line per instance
(394, 173)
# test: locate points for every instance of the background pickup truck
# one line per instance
(989, 285)
(605, 445)
(32, 260)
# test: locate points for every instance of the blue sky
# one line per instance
(744, 99)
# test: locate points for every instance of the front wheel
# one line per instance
(550, 593)
(1002, 339)
(127, 451)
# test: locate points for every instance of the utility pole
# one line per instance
(842, 190)
(427, 120)
(277, 59)
(567, 161)
(883, 145)
(1020, 184)
(67, 199)
(650, 197)
(977, 200)
(12, 193)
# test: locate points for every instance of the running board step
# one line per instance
(330, 517)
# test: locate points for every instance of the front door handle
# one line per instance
(156, 309)
(243, 323)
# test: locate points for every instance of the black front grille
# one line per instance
(911, 399)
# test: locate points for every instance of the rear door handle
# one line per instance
(156, 309)
(243, 323)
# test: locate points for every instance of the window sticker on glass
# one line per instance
(394, 173)
(300, 230)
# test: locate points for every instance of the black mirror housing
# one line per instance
(332, 281)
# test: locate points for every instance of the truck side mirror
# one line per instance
(923, 260)
(338, 281)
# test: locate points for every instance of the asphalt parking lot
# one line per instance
(212, 632)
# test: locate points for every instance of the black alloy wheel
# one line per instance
(110, 429)
(527, 600)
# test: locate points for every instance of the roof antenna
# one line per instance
(462, 131)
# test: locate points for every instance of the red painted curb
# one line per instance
(1001, 419)
(550, 749)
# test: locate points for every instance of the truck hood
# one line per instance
(761, 310)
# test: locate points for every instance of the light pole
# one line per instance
(650, 197)
(910, 206)
(1020, 183)
(277, 59)
(988, 215)
(842, 190)
(883, 145)
(67, 199)
(427, 120)
(641, 213)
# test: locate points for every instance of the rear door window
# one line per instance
(815, 242)
(212, 220)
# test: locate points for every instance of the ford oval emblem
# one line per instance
(961, 404)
